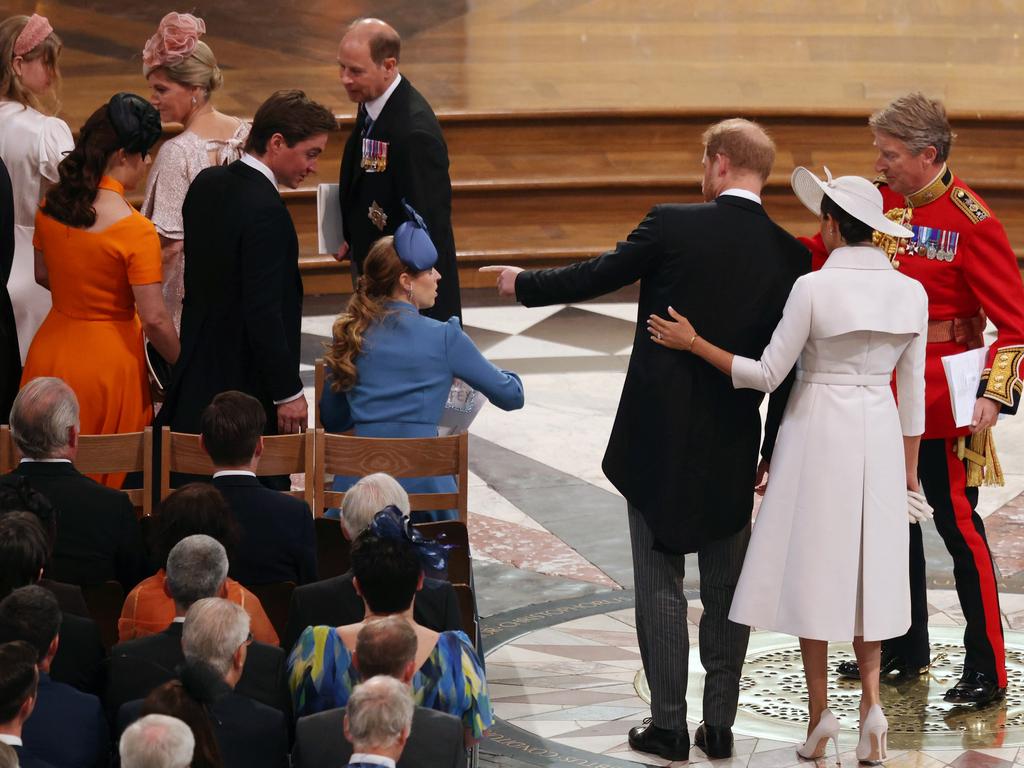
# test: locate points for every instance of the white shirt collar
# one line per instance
(744, 193)
(234, 472)
(260, 166)
(178, 620)
(14, 741)
(26, 460)
(360, 757)
(375, 107)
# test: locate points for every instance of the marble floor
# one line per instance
(551, 552)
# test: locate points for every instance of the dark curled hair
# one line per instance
(175, 699)
(191, 509)
(387, 570)
(18, 495)
(30, 614)
(292, 114)
(18, 678)
(231, 426)
(24, 550)
(853, 230)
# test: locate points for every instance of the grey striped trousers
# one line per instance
(662, 632)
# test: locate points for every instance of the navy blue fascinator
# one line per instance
(390, 523)
(412, 242)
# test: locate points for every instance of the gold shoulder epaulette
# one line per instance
(969, 204)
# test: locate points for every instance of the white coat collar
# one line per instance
(857, 257)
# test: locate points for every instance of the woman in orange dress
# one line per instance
(100, 259)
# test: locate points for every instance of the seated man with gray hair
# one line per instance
(386, 647)
(157, 741)
(98, 538)
(334, 601)
(197, 568)
(216, 642)
(377, 722)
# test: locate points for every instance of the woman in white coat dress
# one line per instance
(827, 558)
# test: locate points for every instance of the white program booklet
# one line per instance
(963, 373)
(464, 403)
(328, 217)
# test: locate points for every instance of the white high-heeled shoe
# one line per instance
(871, 747)
(827, 729)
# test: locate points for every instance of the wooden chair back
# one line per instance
(101, 454)
(282, 455)
(467, 610)
(319, 375)
(276, 598)
(332, 548)
(104, 601)
(454, 533)
(399, 457)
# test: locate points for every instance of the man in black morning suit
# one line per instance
(396, 151)
(684, 445)
(242, 311)
(10, 358)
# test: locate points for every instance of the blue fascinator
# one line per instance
(412, 242)
(390, 523)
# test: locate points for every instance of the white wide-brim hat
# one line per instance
(855, 195)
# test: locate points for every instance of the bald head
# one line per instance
(44, 419)
(380, 37)
(368, 59)
(386, 647)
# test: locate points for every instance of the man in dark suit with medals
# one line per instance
(396, 153)
(242, 312)
(684, 445)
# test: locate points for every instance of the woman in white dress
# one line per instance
(183, 73)
(827, 558)
(32, 144)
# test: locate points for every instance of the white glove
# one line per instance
(918, 508)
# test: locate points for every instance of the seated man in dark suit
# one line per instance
(157, 741)
(377, 722)
(216, 641)
(30, 614)
(98, 537)
(385, 647)
(278, 542)
(334, 601)
(197, 568)
(19, 680)
(23, 553)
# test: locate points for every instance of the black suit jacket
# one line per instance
(69, 597)
(278, 542)
(334, 602)
(140, 665)
(683, 449)
(28, 759)
(98, 537)
(417, 170)
(10, 358)
(249, 734)
(80, 655)
(242, 310)
(67, 727)
(436, 740)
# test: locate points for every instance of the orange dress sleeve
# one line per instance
(259, 623)
(141, 247)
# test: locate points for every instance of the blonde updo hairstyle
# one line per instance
(48, 50)
(176, 49)
(382, 270)
(199, 69)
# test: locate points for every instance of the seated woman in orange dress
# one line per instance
(100, 259)
(192, 509)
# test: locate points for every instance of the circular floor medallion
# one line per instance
(773, 700)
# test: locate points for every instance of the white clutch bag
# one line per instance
(464, 403)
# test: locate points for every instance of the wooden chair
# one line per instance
(276, 598)
(319, 376)
(460, 570)
(282, 455)
(104, 601)
(100, 454)
(332, 548)
(467, 610)
(399, 457)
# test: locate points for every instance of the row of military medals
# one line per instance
(934, 244)
(375, 160)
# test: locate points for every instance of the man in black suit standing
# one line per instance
(10, 359)
(395, 152)
(98, 537)
(19, 680)
(383, 647)
(242, 310)
(684, 445)
(278, 542)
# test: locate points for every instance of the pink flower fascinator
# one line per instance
(174, 41)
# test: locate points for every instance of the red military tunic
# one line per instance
(971, 267)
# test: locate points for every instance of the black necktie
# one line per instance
(367, 122)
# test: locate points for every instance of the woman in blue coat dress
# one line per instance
(391, 368)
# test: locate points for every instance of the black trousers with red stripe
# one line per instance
(944, 479)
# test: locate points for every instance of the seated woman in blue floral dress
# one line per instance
(390, 368)
(449, 676)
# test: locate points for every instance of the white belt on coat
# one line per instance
(844, 379)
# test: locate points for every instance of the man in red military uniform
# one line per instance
(960, 253)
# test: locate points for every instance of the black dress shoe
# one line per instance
(975, 688)
(890, 663)
(671, 745)
(714, 740)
